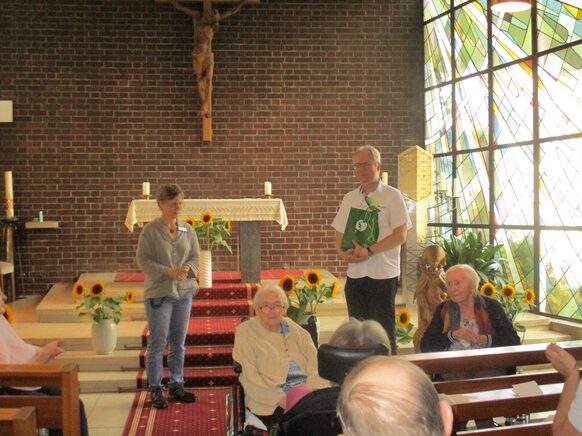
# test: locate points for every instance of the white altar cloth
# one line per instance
(244, 209)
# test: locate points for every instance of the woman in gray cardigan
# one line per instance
(167, 252)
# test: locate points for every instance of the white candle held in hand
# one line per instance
(9, 194)
(385, 177)
(268, 189)
(145, 188)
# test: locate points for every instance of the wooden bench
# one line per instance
(18, 422)
(51, 412)
(484, 398)
(543, 428)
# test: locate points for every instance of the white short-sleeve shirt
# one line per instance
(575, 413)
(393, 214)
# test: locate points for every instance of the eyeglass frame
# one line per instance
(361, 165)
(266, 308)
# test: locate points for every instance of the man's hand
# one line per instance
(49, 352)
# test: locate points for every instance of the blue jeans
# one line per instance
(168, 320)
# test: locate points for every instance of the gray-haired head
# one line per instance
(360, 334)
(470, 273)
(373, 151)
(269, 289)
(168, 192)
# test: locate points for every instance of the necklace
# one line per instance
(170, 228)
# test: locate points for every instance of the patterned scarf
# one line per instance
(451, 315)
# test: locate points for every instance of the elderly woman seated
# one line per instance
(467, 320)
(275, 354)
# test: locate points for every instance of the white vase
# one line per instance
(104, 336)
(205, 269)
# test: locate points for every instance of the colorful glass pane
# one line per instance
(472, 114)
(511, 36)
(438, 119)
(517, 249)
(437, 52)
(440, 206)
(470, 39)
(512, 104)
(560, 181)
(561, 272)
(560, 92)
(432, 9)
(514, 185)
(473, 188)
(559, 23)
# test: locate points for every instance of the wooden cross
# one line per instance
(204, 25)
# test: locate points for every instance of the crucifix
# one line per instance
(204, 25)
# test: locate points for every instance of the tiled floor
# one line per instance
(107, 413)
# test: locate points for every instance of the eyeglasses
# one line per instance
(360, 165)
(266, 308)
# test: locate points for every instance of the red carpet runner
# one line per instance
(216, 313)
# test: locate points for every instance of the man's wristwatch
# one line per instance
(370, 252)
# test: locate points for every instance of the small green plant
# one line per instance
(471, 249)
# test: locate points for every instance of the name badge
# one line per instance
(182, 229)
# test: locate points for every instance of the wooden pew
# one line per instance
(493, 396)
(543, 428)
(18, 422)
(51, 412)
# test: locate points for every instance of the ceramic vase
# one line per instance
(205, 269)
(104, 336)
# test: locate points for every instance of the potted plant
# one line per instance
(212, 232)
(105, 312)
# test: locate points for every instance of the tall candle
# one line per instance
(268, 187)
(145, 188)
(385, 177)
(457, 187)
(9, 194)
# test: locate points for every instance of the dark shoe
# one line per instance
(158, 400)
(180, 394)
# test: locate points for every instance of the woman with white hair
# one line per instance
(275, 354)
(467, 320)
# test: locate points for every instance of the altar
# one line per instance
(249, 211)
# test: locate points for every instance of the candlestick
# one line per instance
(9, 194)
(145, 189)
(385, 177)
(268, 187)
(442, 185)
(457, 188)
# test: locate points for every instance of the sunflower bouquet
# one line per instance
(514, 302)
(403, 326)
(97, 305)
(211, 231)
(306, 292)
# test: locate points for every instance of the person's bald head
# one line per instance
(385, 395)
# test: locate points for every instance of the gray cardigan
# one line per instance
(156, 252)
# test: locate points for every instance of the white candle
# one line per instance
(268, 188)
(9, 194)
(457, 186)
(442, 185)
(145, 188)
(385, 177)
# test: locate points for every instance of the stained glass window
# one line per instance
(516, 118)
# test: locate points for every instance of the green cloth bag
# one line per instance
(362, 226)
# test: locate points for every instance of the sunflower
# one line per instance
(488, 290)
(312, 277)
(79, 289)
(334, 289)
(206, 218)
(229, 226)
(97, 289)
(130, 296)
(403, 318)
(508, 292)
(8, 313)
(287, 283)
(190, 221)
(530, 296)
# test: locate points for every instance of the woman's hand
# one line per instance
(468, 335)
(178, 274)
(48, 352)
(560, 359)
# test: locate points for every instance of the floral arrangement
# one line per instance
(97, 305)
(514, 302)
(212, 232)
(403, 326)
(306, 292)
(8, 313)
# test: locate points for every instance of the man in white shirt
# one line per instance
(373, 269)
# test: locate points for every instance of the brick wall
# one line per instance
(105, 98)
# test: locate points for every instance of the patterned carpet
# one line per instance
(216, 312)
(219, 276)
